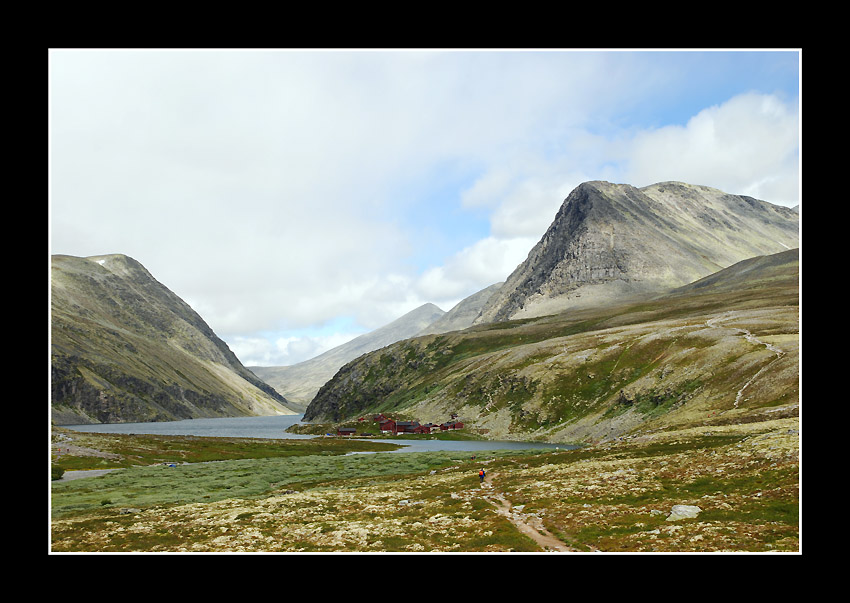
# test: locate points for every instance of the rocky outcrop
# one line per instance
(683, 512)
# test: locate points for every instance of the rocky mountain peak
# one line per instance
(611, 241)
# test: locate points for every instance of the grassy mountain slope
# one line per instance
(300, 382)
(724, 350)
(126, 349)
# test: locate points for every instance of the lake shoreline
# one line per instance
(274, 427)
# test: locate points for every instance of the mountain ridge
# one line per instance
(464, 313)
(611, 241)
(124, 348)
(300, 382)
(608, 244)
(611, 250)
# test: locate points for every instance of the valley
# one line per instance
(653, 332)
(694, 405)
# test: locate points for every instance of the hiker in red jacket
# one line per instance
(481, 475)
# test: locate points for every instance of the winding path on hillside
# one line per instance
(528, 525)
(713, 323)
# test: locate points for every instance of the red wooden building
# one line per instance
(406, 426)
(396, 427)
(452, 425)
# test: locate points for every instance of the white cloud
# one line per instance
(748, 145)
(486, 262)
(270, 189)
(285, 350)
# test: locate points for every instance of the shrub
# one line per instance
(56, 472)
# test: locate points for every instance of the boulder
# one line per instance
(683, 512)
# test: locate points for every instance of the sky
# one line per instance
(298, 198)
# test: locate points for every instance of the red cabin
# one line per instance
(452, 425)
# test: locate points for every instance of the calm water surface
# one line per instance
(275, 428)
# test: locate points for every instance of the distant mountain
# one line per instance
(612, 241)
(124, 348)
(300, 382)
(463, 314)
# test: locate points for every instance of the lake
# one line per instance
(275, 428)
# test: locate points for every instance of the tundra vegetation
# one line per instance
(309, 496)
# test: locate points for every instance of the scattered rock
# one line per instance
(683, 512)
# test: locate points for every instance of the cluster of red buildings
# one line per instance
(394, 427)
(388, 425)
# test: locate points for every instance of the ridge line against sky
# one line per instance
(298, 198)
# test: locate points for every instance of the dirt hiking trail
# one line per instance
(529, 525)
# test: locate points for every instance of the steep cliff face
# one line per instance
(124, 348)
(611, 241)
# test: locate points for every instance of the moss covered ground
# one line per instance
(615, 497)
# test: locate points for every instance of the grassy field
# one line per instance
(75, 451)
(308, 496)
